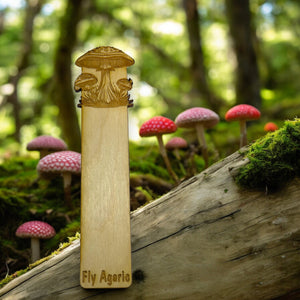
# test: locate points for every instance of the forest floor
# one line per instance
(25, 196)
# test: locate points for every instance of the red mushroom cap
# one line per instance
(35, 229)
(242, 112)
(194, 115)
(157, 125)
(59, 162)
(46, 142)
(176, 142)
(270, 126)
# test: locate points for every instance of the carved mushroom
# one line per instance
(46, 144)
(35, 230)
(106, 60)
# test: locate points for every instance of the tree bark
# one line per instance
(62, 89)
(206, 239)
(198, 69)
(247, 73)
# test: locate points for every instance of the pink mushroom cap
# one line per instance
(46, 142)
(194, 115)
(157, 125)
(35, 229)
(59, 162)
(270, 126)
(242, 112)
(176, 143)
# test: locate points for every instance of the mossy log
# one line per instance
(206, 239)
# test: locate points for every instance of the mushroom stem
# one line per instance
(243, 133)
(35, 249)
(202, 142)
(106, 88)
(44, 152)
(176, 153)
(67, 176)
(164, 155)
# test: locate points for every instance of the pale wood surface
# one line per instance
(206, 239)
(105, 200)
(105, 260)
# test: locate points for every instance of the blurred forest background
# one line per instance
(211, 53)
(188, 53)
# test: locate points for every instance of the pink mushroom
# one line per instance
(35, 230)
(199, 118)
(270, 127)
(175, 144)
(65, 163)
(157, 126)
(242, 113)
(46, 144)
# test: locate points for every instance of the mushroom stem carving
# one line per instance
(106, 89)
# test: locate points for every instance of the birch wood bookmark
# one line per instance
(105, 256)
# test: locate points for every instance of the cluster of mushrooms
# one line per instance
(199, 118)
(55, 159)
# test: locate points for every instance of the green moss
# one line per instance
(274, 158)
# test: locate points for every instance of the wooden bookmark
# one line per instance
(105, 256)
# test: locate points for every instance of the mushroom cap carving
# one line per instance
(104, 58)
(85, 80)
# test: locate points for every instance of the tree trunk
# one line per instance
(206, 239)
(32, 9)
(198, 69)
(62, 90)
(247, 73)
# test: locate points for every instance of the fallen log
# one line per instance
(206, 239)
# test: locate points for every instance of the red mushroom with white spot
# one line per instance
(35, 230)
(199, 118)
(46, 144)
(176, 143)
(157, 126)
(270, 127)
(65, 163)
(242, 113)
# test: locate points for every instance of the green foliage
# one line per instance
(274, 159)
(146, 159)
